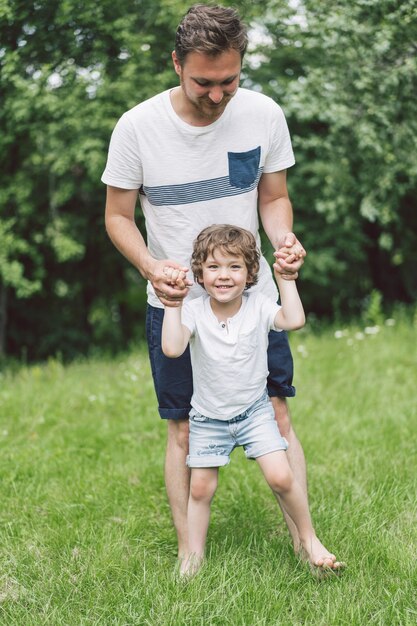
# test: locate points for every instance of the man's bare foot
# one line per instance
(321, 561)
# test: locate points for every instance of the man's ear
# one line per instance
(177, 64)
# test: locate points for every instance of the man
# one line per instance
(201, 153)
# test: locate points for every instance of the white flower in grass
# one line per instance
(350, 342)
(372, 330)
(341, 333)
(359, 336)
(390, 322)
(92, 398)
(76, 552)
(131, 375)
(10, 590)
(302, 350)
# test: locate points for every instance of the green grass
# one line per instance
(85, 529)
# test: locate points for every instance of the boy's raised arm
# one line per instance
(175, 335)
(291, 314)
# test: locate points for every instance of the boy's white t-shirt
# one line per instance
(229, 360)
(190, 177)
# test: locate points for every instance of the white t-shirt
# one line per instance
(229, 360)
(190, 177)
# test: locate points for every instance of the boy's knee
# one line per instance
(202, 489)
(282, 481)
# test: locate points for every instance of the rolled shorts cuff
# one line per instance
(211, 460)
(276, 446)
(281, 391)
(174, 414)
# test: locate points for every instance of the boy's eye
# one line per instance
(236, 267)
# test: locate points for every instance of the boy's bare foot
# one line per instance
(321, 561)
(190, 566)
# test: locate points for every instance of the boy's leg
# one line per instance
(261, 439)
(279, 476)
(280, 387)
(280, 364)
(295, 455)
(202, 489)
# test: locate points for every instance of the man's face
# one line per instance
(209, 82)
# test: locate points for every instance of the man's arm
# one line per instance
(276, 215)
(122, 230)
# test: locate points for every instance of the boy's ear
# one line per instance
(250, 281)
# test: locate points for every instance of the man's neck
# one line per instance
(186, 111)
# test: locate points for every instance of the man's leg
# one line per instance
(174, 387)
(177, 479)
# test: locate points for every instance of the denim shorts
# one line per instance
(173, 379)
(212, 441)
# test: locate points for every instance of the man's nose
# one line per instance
(216, 94)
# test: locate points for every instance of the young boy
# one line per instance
(227, 329)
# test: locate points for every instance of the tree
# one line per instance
(346, 74)
(67, 72)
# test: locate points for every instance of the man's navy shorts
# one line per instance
(173, 377)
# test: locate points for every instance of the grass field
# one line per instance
(85, 529)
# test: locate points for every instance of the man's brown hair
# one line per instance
(210, 29)
(229, 240)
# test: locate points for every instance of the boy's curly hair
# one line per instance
(229, 240)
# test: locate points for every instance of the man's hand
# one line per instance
(289, 257)
(170, 282)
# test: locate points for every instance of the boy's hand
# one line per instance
(289, 257)
(177, 277)
(169, 281)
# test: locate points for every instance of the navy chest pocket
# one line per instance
(243, 167)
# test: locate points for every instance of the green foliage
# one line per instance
(345, 74)
(11, 270)
(373, 313)
(68, 71)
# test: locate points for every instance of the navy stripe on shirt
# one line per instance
(199, 191)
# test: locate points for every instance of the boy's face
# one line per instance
(224, 276)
